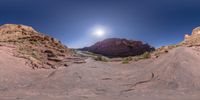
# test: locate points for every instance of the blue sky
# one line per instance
(157, 22)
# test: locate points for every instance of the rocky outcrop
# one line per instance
(193, 39)
(196, 31)
(41, 50)
(116, 47)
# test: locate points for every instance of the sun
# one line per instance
(99, 32)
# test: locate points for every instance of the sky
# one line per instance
(157, 22)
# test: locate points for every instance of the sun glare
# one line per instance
(99, 32)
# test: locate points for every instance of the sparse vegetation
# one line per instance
(101, 58)
(145, 55)
(96, 57)
(127, 60)
(163, 50)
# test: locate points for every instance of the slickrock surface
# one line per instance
(176, 78)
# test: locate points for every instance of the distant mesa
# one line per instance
(116, 47)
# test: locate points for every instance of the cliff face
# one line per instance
(42, 51)
(115, 47)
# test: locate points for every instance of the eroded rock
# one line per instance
(34, 46)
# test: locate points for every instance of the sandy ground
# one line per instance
(174, 76)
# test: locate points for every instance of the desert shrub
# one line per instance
(145, 55)
(101, 58)
(127, 60)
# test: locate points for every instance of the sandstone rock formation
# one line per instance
(41, 50)
(193, 39)
(116, 47)
(196, 31)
